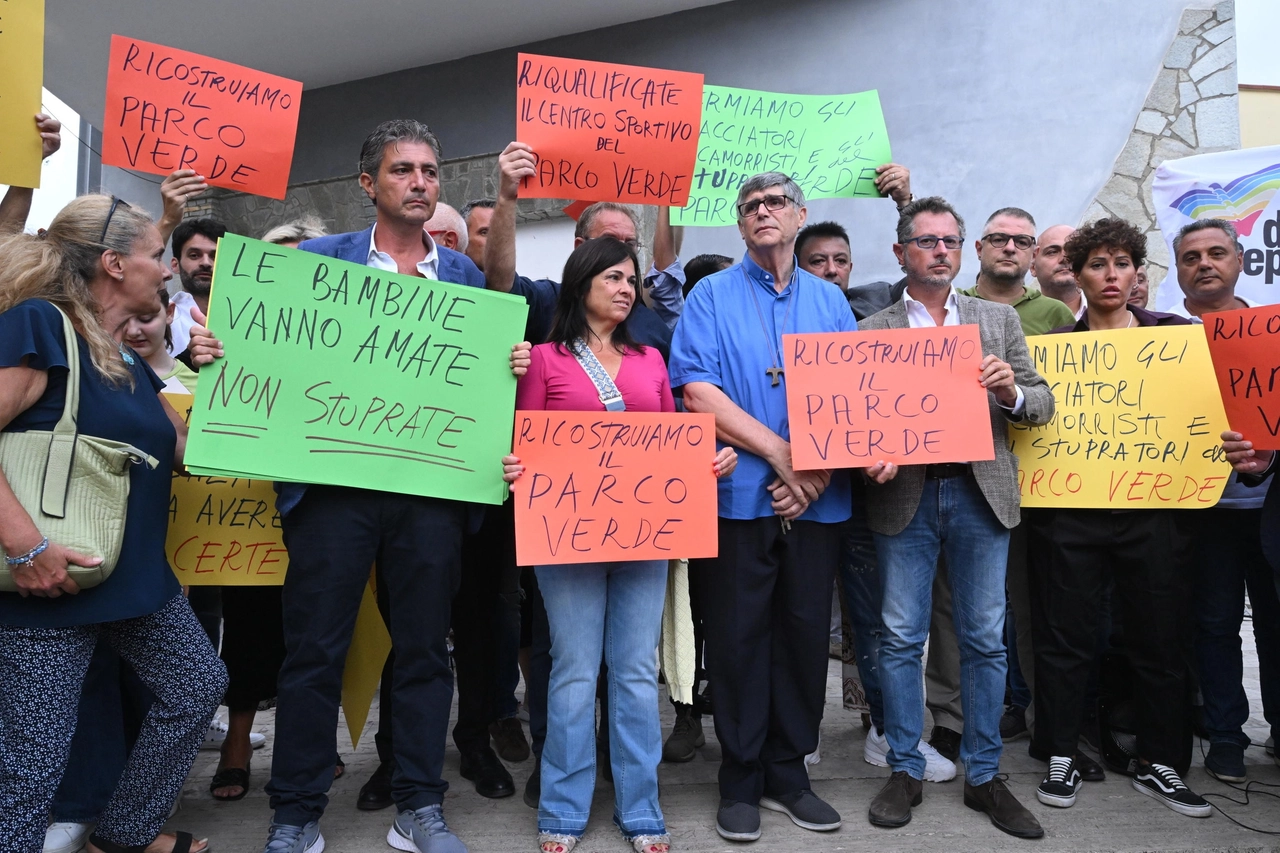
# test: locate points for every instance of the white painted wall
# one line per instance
(1257, 60)
(543, 247)
(58, 173)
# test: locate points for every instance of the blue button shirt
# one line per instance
(720, 339)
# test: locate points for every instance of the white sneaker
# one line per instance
(217, 735)
(66, 837)
(815, 756)
(875, 751)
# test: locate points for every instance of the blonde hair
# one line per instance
(308, 227)
(59, 264)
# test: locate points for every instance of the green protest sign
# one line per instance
(341, 374)
(829, 144)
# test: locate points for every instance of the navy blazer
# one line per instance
(454, 267)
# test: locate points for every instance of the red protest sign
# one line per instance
(170, 109)
(606, 132)
(909, 396)
(1245, 347)
(601, 486)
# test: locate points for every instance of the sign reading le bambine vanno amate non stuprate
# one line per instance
(341, 374)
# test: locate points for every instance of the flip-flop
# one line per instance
(230, 777)
(181, 844)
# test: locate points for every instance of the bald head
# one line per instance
(1049, 264)
(448, 228)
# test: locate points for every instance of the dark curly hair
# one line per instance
(1109, 233)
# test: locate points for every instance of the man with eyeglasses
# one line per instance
(1053, 271)
(1005, 253)
(961, 510)
(767, 596)
(602, 219)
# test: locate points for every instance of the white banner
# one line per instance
(1239, 186)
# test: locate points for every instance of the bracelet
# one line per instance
(29, 557)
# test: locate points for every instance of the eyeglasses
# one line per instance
(929, 241)
(770, 202)
(115, 202)
(999, 241)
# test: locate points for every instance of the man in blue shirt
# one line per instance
(768, 594)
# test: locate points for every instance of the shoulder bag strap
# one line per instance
(610, 396)
(62, 445)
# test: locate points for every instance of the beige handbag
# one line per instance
(74, 487)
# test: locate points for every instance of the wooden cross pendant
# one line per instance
(776, 373)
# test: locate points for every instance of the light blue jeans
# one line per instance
(953, 517)
(614, 611)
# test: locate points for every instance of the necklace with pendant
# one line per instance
(125, 354)
(775, 372)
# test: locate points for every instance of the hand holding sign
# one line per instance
(606, 132)
(170, 109)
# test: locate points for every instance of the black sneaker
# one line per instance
(1059, 787)
(805, 809)
(947, 742)
(738, 821)
(1164, 785)
(1225, 762)
(686, 736)
(1013, 724)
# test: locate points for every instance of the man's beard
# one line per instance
(193, 285)
(999, 276)
(943, 280)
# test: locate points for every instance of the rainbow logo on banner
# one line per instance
(1241, 201)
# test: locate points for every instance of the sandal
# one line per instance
(181, 844)
(230, 777)
(339, 768)
(651, 843)
(552, 843)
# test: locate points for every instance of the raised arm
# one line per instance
(176, 190)
(515, 163)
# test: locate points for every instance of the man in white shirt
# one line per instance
(195, 244)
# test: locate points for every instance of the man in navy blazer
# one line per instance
(335, 534)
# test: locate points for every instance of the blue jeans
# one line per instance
(612, 610)
(860, 586)
(953, 517)
(1229, 559)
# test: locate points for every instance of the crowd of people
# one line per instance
(1090, 632)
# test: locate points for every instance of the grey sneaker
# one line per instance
(805, 809)
(294, 839)
(423, 831)
(738, 821)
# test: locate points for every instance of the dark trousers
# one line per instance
(334, 537)
(252, 644)
(488, 573)
(535, 692)
(1075, 554)
(1229, 560)
(767, 610)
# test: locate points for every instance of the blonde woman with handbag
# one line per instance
(88, 562)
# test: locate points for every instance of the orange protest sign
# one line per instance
(909, 396)
(601, 486)
(1245, 347)
(170, 109)
(606, 132)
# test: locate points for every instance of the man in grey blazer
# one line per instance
(962, 510)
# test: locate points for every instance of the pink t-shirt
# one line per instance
(556, 382)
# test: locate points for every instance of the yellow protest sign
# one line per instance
(1136, 426)
(370, 645)
(223, 531)
(21, 75)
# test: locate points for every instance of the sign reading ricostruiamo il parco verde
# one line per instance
(1136, 425)
(1245, 346)
(606, 132)
(603, 486)
(829, 144)
(341, 374)
(908, 396)
(169, 109)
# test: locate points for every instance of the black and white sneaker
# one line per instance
(1060, 786)
(1163, 785)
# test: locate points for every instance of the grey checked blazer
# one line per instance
(890, 507)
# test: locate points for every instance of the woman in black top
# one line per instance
(101, 263)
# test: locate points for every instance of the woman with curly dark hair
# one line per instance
(1076, 554)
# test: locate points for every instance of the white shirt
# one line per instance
(428, 266)
(1084, 305)
(182, 302)
(918, 317)
(1180, 309)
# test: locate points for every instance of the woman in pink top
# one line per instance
(612, 609)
